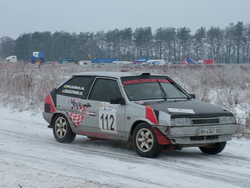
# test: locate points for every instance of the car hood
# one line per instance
(190, 108)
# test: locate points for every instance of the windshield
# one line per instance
(151, 88)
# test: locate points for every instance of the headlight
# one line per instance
(227, 119)
(181, 122)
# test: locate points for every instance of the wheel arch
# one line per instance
(134, 126)
(161, 138)
(73, 128)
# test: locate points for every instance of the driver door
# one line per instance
(104, 119)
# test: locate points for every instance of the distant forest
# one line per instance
(228, 45)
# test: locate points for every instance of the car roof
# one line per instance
(112, 74)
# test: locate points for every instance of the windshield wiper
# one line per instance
(164, 95)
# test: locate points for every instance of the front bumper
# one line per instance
(199, 135)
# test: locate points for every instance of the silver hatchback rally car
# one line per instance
(148, 110)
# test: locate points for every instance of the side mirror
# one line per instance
(118, 100)
(192, 96)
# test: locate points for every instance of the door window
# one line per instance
(104, 90)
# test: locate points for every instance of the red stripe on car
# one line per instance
(150, 115)
(48, 100)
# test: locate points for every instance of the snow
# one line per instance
(30, 157)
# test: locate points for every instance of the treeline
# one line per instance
(229, 45)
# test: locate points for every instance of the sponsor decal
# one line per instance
(77, 113)
(72, 92)
(138, 81)
(108, 107)
(73, 87)
(180, 110)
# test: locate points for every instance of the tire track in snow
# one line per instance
(177, 162)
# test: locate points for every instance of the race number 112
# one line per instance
(107, 122)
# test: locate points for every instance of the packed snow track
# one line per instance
(31, 157)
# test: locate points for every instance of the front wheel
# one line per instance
(213, 148)
(145, 142)
(62, 130)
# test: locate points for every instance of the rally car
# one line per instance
(148, 110)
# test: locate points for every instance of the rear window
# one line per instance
(77, 86)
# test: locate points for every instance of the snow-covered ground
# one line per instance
(30, 157)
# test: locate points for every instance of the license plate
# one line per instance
(209, 131)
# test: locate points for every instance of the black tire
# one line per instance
(62, 130)
(145, 142)
(213, 148)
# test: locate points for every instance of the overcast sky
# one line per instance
(27, 16)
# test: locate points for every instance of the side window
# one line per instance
(77, 86)
(104, 90)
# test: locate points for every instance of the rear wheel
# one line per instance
(62, 130)
(145, 142)
(213, 148)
